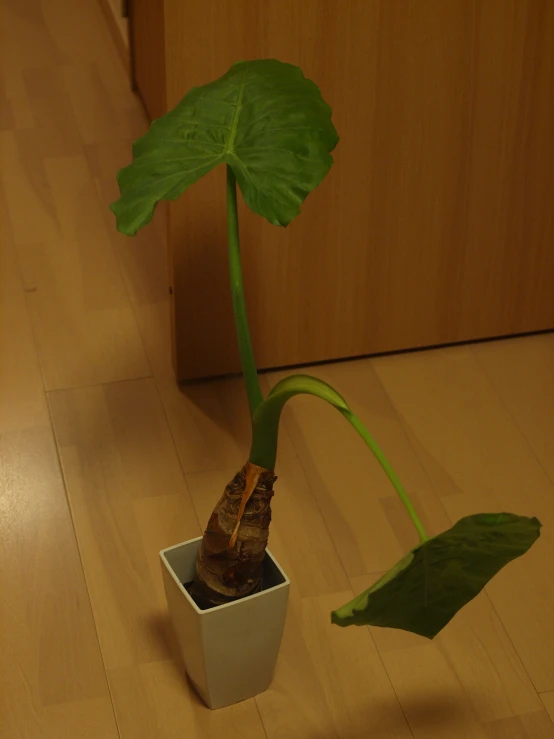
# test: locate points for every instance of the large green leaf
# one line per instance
(429, 585)
(263, 118)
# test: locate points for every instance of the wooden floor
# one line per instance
(104, 461)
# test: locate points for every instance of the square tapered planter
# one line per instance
(229, 651)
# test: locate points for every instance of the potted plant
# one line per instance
(227, 595)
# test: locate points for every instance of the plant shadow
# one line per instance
(161, 631)
(433, 715)
(421, 716)
(440, 714)
(223, 402)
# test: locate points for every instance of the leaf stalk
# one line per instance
(265, 429)
(249, 370)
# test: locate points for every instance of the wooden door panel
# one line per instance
(435, 224)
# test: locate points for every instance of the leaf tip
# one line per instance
(337, 620)
(123, 222)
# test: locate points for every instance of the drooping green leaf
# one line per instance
(426, 588)
(263, 118)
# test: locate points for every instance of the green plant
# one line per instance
(272, 129)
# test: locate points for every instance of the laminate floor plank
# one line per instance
(51, 668)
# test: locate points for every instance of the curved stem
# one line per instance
(265, 431)
(249, 370)
(391, 474)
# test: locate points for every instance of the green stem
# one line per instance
(391, 474)
(265, 429)
(253, 389)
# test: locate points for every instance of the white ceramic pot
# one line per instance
(229, 651)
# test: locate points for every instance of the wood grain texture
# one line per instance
(26, 40)
(54, 125)
(16, 108)
(329, 682)
(548, 700)
(97, 118)
(7, 120)
(116, 449)
(29, 201)
(155, 700)
(48, 631)
(78, 31)
(51, 670)
(21, 390)
(118, 26)
(86, 331)
(530, 726)
(80, 310)
(521, 371)
(434, 225)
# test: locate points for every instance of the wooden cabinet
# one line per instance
(436, 223)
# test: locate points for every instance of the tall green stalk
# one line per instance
(249, 370)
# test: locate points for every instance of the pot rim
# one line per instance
(214, 609)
